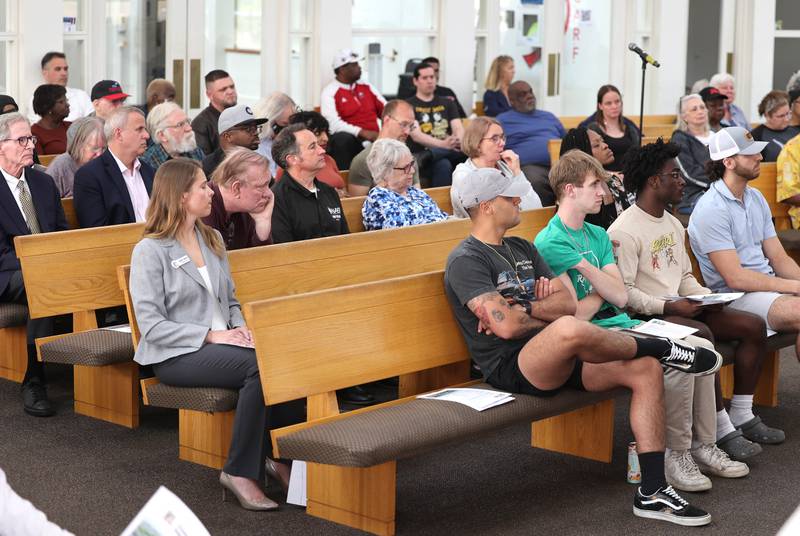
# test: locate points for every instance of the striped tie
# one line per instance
(27, 207)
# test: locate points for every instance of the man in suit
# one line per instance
(30, 204)
(115, 188)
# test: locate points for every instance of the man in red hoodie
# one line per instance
(351, 108)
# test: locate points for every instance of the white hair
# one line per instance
(384, 156)
(700, 85)
(157, 118)
(6, 120)
(271, 107)
(720, 79)
(118, 120)
(683, 125)
(794, 82)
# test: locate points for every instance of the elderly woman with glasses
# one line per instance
(85, 142)
(394, 202)
(484, 143)
(692, 136)
(775, 130)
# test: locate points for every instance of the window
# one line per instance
(387, 34)
(8, 64)
(301, 22)
(75, 36)
(247, 25)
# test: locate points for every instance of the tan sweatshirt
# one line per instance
(653, 260)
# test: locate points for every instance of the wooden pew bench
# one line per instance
(405, 327)
(286, 269)
(554, 147)
(13, 343)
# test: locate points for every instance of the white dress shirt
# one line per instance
(136, 188)
(80, 105)
(20, 518)
(13, 185)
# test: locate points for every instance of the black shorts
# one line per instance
(508, 377)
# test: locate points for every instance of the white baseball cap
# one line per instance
(731, 141)
(485, 184)
(345, 56)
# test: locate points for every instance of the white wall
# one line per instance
(37, 35)
(457, 48)
(754, 46)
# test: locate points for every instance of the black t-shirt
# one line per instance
(776, 140)
(475, 268)
(300, 214)
(434, 118)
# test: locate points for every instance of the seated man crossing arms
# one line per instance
(581, 255)
(654, 263)
(535, 347)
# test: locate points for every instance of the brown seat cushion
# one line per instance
(95, 347)
(210, 399)
(13, 314)
(408, 429)
(790, 239)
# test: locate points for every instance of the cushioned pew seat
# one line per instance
(208, 399)
(12, 314)
(96, 348)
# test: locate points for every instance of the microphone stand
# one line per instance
(641, 104)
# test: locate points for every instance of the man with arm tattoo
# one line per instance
(516, 318)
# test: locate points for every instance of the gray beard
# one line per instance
(186, 145)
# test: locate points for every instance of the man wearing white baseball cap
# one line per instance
(352, 109)
(516, 318)
(734, 240)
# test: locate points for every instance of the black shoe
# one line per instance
(357, 396)
(35, 401)
(667, 505)
(686, 358)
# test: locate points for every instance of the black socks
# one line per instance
(652, 346)
(652, 466)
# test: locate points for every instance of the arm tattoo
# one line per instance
(498, 315)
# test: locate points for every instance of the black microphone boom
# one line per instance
(644, 55)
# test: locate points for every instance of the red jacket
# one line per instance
(350, 108)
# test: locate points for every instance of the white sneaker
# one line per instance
(712, 459)
(682, 472)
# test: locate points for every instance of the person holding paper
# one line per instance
(654, 263)
(192, 329)
(581, 255)
(517, 320)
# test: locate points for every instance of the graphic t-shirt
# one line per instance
(475, 268)
(434, 118)
(563, 248)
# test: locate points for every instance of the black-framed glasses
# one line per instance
(675, 174)
(250, 129)
(408, 168)
(23, 140)
(497, 139)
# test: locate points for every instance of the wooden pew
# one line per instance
(287, 269)
(69, 212)
(405, 327)
(478, 108)
(648, 120)
(74, 272)
(554, 147)
(766, 182)
(351, 206)
(47, 159)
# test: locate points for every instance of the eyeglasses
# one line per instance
(23, 140)
(497, 139)
(409, 125)
(250, 129)
(675, 174)
(180, 125)
(408, 168)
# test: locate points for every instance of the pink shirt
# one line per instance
(136, 188)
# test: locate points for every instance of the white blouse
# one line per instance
(218, 322)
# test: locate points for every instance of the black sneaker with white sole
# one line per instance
(691, 360)
(667, 505)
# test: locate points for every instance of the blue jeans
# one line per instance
(440, 170)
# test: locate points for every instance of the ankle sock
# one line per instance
(652, 466)
(741, 409)
(652, 346)
(724, 424)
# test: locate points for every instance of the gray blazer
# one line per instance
(172, 306)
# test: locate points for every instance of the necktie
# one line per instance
(27, 207)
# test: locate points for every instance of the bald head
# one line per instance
(521, 97)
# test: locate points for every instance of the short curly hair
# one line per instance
(45, 97)
(641, 163)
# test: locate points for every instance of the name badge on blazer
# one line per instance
(177, 263)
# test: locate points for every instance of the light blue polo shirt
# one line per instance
(720, 221)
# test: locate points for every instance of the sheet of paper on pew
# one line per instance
(125, 328)
(662, 328)
(709, 299)
(165, 515)
(477, 399)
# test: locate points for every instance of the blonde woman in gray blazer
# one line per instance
(193, 332)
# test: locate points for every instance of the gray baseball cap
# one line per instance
(485, 184)
(731, 141)
(237, 116)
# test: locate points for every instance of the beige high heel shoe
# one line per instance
(271, 467)
(261, 505)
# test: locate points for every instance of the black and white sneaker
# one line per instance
(667, 505)
(691, 360)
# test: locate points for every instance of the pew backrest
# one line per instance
(69, 213)
(767, 183)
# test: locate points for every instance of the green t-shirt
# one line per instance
(563, 248)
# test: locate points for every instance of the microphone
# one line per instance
(644, 55)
